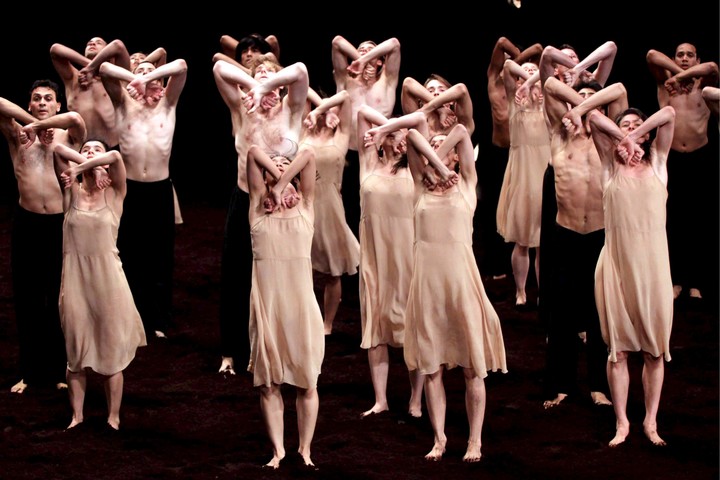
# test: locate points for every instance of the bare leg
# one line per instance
(619, 381)
(379, 360)
(113, 394)
(652, 378)
(77, 384)
(272, 407)
(331, 302)
(521, 265)
(475, 396)
(19, 387)
(307, 405)
(227, 366)
(416, 390)
(436, 405)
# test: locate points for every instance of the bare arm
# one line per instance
(112, 76)
(114, 52)
(413, 95)
(64, 60)
(604, 57)
(614, 96)
(711, 95)
(503, 49)
(341, 51)
(70, 121)
(176, 71)
(157, 57)
(295, 77)
(661, 66)
(707, 72)
(458, 94)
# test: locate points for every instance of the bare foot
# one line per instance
(621, 432)
(328, 331)
(61, 386)
(275, 462)
(652, 435)
(415, 412)
(160, 334)
(599, 398)
(520, 298)
(114, 424)
(583, 336)
(227, 366)
(74, 423)
(436, 453)
(555, 401)
(19, 387)
(377, 408)
(473, 453)
(306, 458)
(695, 293)
(502, 276)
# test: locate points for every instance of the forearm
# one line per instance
(603, 97)
(11, 110)
(421, 145)
(63, 120)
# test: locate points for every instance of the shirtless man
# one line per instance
(692, 166)
(145, 119)
(495, 156)
(86, 96)
(36, 255)
(242, 52)
(275, 126)
(371, 78)
(577, 233)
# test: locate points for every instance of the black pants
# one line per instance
(235, 280)
(146, 241)
(36, 263)
(573, 310)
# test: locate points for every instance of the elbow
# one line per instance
(337, 41)
(182, 65)
(395, 43)
(651, 56)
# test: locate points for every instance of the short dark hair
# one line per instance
(588, 84)
(254, 40)
(48, 84)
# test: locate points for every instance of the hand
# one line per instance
(68, 177)
(331, 119)
(27, 136)
(310, 120)
(46, 136)
(572, 122)
(136, 89)
(356, 68)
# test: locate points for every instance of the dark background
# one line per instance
(452, 41)
(183, 420)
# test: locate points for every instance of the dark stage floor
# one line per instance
(181, 419)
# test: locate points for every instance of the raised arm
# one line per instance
(463, 107)
(661, 66)
(341, 100)
(113, 78)
(603, 56)
(613, 96)
(376, 135)
(413, 95)
(72, 122)
(295, 77)
(390, 49)
(114, 52)
(12, 117)
(711, 95)
(157, 57)
(232, 81)
(707, 72)
(65, 59)
(175, 72)
(341, 51)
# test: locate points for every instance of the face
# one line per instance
(436, 87)
(263, 72)
(530, 68)
(91, 149)
(560, 69)
(247, 56)
(43, 103)
(631, 122)
(136, 59)
(94, 46)
(686, 56)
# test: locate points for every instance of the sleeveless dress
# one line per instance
(386, 239)
(335, 249)
(449, 320)
(633, 286)
(102, 327)
(287, 337)
(519, 206)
